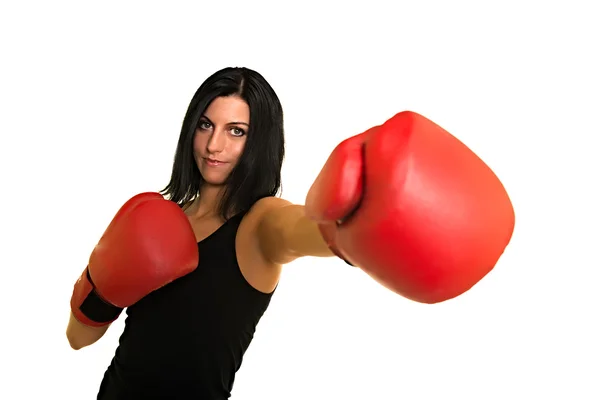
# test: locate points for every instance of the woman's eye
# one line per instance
(238, 131)
(204, 125)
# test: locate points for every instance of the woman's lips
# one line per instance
(213, 163)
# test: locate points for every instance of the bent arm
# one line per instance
(81, 335)
(285, 233)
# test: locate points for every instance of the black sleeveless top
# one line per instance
(187, 339)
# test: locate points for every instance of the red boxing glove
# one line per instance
(414, 208)
(148, 244)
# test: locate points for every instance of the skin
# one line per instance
(273, 233)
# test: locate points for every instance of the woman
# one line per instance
(187, 339)
(428, 229)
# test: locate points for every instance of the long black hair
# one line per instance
(258, 172)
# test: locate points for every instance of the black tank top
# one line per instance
(187, 339)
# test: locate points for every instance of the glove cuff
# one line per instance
(87, 305)
(328, 234)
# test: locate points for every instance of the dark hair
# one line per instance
(258, 172)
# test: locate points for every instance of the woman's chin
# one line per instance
(214, 176)
(212, 180)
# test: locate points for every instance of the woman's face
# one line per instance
(220, 138)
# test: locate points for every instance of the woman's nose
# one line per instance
(216, 142)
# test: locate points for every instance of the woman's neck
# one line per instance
(206, 205)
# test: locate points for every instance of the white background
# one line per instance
(92, 98)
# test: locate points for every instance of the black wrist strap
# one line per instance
(96, 309)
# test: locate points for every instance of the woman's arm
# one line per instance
(80, 335)
(285, 233)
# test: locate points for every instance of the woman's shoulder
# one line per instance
(256, 267)
(262, 207)
(254, 222)
(269, 202)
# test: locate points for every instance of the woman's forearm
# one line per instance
(304, 237)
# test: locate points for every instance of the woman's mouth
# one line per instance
(213, 163)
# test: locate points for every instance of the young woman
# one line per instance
(187, 339)
(405, 201)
